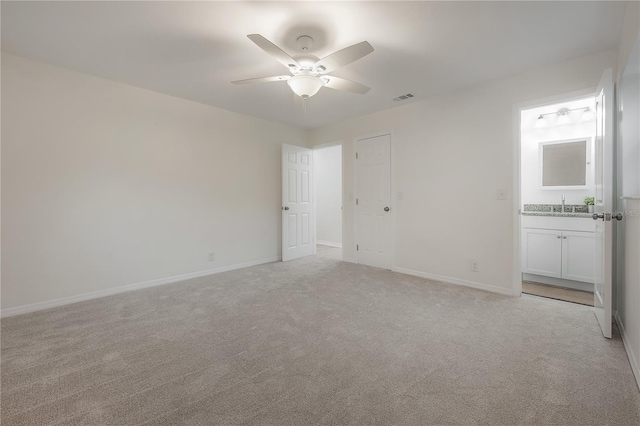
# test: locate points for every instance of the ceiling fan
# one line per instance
(309, 73)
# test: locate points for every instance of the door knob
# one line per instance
(386, 209)
(285, 208)
(607, 216)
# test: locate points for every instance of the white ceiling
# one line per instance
(192, 50)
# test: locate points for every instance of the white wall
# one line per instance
(532, 137)
(327, 169)
(106, 185)
(450, 156)
(628, 180)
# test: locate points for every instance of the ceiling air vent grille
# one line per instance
(403, 97)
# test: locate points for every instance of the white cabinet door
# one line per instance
(578, 252)
(297, 208)
(542, 252)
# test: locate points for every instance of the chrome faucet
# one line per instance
(563, 204)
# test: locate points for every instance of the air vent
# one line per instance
(403, 97)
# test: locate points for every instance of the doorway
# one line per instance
(557, 190)
(327, 166)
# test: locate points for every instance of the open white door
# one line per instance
(373, 202)
(297, 208)
(603, 207)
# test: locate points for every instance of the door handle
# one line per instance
(386, 209)
(607, 216)
(285, 208)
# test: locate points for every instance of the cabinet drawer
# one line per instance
(559, 223)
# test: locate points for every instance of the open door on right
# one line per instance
(603, 206)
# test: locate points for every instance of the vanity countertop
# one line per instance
(558, 214)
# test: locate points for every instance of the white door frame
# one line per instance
(315, 203)
(517, 228)
(392, 196)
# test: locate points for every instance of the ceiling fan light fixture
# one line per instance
(305, 86)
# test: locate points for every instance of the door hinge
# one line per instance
(357, 247)
(356, 201)
(356, 155)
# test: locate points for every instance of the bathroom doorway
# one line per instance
(327, 166)
(557, 186)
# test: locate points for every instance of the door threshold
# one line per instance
(558, 293)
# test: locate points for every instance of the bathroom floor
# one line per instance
(558, 293)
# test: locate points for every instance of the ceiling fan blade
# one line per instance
(344, 57)
(273, 50)
(263, 79)
(345, 85)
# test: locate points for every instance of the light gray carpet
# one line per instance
(328, 252)
(314, 341)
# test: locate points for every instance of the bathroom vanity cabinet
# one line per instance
(559, 247)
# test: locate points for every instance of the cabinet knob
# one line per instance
(564, 237)
(558, 236)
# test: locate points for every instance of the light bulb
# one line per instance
(540, 122)
(588, 114)
(563, 117)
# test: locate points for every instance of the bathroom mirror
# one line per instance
(564, 163)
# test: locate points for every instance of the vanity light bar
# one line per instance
(564, 111)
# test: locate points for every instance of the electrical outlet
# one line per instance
(502, 194)
(475, 266)
(212, 257)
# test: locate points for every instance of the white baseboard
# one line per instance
(627, 346)
(329, 243)
(350, 259)
(456, 281)
(32, 307)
